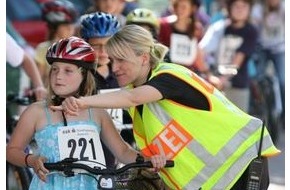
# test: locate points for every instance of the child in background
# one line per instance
(60, 17)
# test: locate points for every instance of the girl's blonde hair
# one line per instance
(133, 40)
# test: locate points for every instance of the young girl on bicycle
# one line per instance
(60, 136)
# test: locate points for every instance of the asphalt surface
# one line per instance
(277, 166)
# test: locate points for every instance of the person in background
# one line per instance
(200, 15)
(16, 57)
(231, 43)
(96, 29)
(145, 18)
(60, 17)
(211, 141)
(72, 62)
(181, 35)
(269, 18)
(113, 7)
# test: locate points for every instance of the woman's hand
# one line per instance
(158, 162)
(70, 105)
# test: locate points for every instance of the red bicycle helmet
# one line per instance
(72, 50)
(59, 12)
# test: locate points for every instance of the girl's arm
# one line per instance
(21, 136)
(111, 137)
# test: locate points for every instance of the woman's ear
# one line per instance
(145, 58)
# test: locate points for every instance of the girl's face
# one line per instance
(65, 79)
(99, 46)
(240, 11)
(183, 9)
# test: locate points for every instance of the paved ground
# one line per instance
(277, 167)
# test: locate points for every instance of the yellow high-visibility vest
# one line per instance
(211, 149)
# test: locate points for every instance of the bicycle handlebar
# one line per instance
(68, 164)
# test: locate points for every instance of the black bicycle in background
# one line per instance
(265, 101)
(17, 178)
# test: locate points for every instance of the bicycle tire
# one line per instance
(272, 121)
(258, 105)
(17, 178)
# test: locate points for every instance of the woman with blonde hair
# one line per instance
(177, 114)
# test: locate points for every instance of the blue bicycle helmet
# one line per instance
(98, 25)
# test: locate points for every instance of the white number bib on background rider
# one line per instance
(80, 141)
(227, 49)
(115, 113)
(182, 49)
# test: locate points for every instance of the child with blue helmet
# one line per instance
(96, 28)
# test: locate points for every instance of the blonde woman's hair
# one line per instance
(87, 87)
(133, 40)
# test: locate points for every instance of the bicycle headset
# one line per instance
(59, 12)
(72, 50)
(98, 25)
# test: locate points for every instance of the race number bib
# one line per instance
(82, 142)
(115, 113)
(182, 49)
(227, 49)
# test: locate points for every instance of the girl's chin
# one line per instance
(61, 93)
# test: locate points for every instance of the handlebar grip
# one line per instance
(53, 166)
